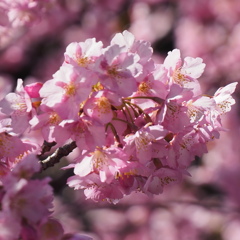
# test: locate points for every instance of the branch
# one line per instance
(46, 147)
(57, 155)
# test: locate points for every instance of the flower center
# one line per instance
(19, 106)
(179, 77)
(166, 180)
(54, 119)
(99, 159)
(83, 61)
(143, 139)
(224, 106)
(127, 174)
(113, 72)
(70, 89)
(103, 105)
(97, 87)
(144, 87)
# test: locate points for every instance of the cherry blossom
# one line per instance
(184, 72)
(66, 90)
(99, 106)
(107, 163)
(83, 54)
(118, 70)
(19, 107)
(223, 98)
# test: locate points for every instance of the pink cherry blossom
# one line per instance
(173, 114)
(198, 108)
(83, 54)
(153, 85)
(107, 163)
(223, 98)
(161, 178)
(87, 133)
(19, 107)
(99, 106)
(26, 167)
(184, 147)
(28, 199)
(11, 146)
(184, 72)
(33, 89)
(49, 123)
(94, 189)
(14, 150)
(118, 70)
(66, 90)
(127, 41)
(140, 144)
(104, 192)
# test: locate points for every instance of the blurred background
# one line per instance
(205, 206)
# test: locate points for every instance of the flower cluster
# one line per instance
(137, 124)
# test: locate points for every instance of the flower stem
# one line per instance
(114, 131)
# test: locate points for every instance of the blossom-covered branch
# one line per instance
(137, 125)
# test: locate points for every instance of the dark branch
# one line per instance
(57, 155)
(46, 147)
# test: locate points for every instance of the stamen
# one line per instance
(179, 78)
(70, 89)
(54, 119)
(113, 72)
(82, 61)
(103, 105)
(194, 113)
(166, 180)
(224, 106)
(99, 159)
(97, 87)
(143, 140)
(19, 107)
(144, 87)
